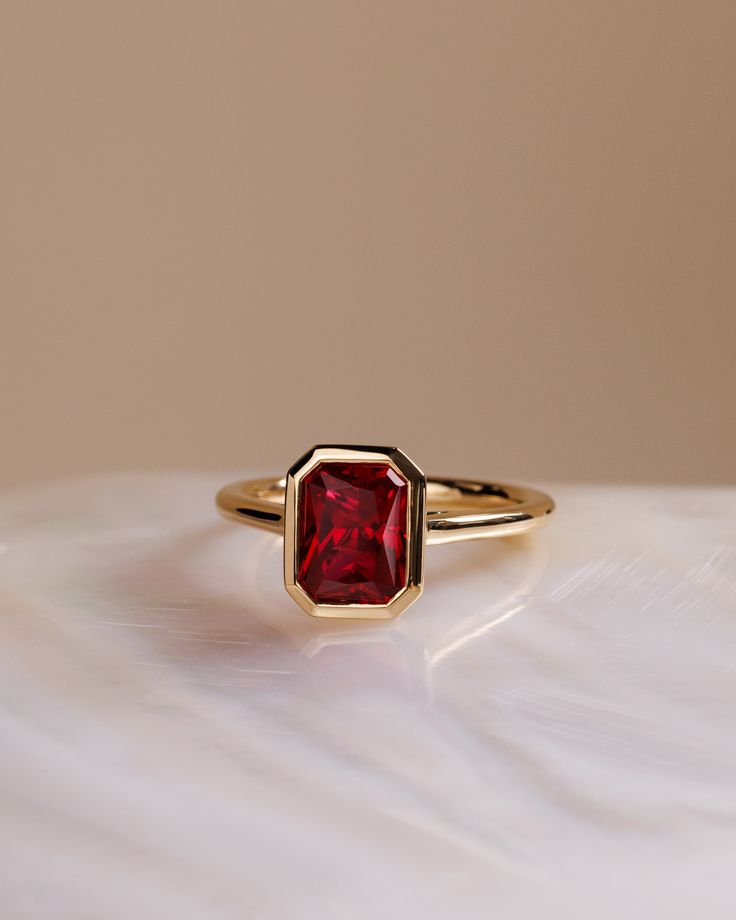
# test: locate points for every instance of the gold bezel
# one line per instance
(416, 530)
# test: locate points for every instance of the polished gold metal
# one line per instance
(440, 510)
(457, 509)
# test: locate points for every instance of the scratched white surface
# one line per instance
(550, 731)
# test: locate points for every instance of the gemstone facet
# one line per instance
(352, 533)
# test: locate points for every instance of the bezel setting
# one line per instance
(415, 531)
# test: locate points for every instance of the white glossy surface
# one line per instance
(550, 731)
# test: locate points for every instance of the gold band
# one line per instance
(457, 509)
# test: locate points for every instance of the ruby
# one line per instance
(352, 531)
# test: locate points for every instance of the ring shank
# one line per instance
(457, 509)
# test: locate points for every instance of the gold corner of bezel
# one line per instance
(415, 530)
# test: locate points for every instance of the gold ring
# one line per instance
(356, 520)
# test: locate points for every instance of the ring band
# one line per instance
(479, 509)
(356, 520)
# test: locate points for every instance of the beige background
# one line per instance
(500, 235)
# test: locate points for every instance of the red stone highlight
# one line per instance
(352, 533)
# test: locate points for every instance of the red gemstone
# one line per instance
(352, 533)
